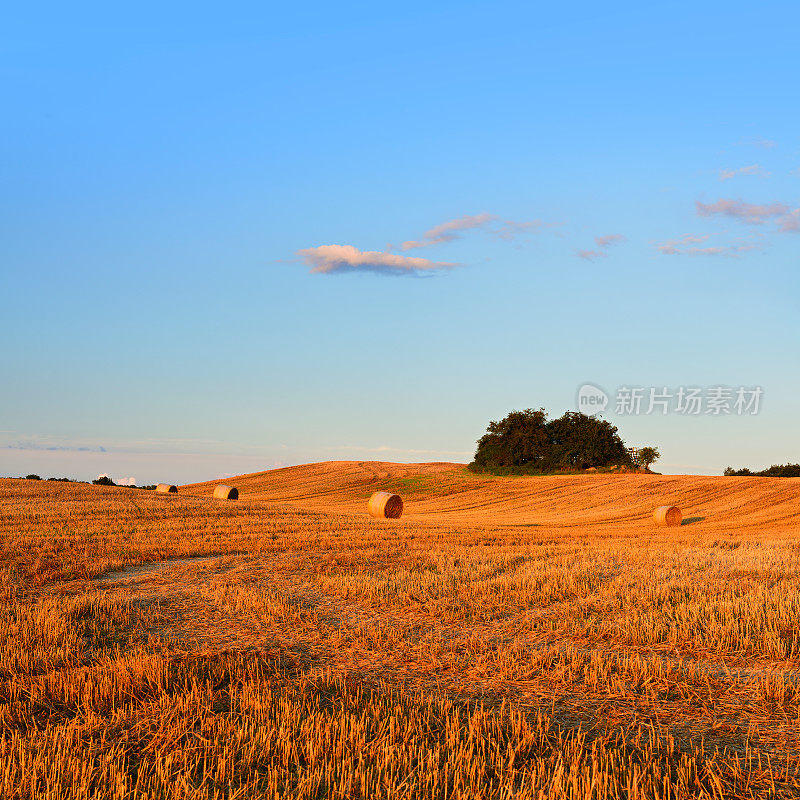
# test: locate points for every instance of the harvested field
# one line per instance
(530, 637)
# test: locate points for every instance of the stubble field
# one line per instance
(508, 637)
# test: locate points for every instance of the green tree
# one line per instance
(647, 455)
(525, 441)
(775, 471)
(520, 439)
(579, 441)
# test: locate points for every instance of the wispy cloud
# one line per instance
(689, 245)
(731, 251)
(758, 141)
(509, 229)
(591, 255)
(347, 258)
(608, 240)
(603, 242)
(453, 229)
(675, 246)
(752, 169)
(785, 217)
(33, 445)
(790, 223)
(449, 231)
(333, 258)
(385, 448)
(744, 212)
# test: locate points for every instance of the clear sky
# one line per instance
(247, 235)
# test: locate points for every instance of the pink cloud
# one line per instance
(687, 245)
(449, 231)
(591, 255)
(785, 217)
(607, 241)
(510, 230)
(744, 212)
(790, 223)
(675, 246)
(752, 169)
(603, 242)
(708, 251)
(346, 258)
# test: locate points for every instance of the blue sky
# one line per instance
(511, 200)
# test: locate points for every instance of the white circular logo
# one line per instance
(591, 399)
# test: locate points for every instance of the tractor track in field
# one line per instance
(215, 604)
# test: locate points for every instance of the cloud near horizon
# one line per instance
(31, 445)
(385, 448)
(335, 258)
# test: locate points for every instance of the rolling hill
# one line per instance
(449, 492)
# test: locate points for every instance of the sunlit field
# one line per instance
(528, 637)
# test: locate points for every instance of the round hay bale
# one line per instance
(223, 492)
(385, 505)
(668, 516)
(166, 488)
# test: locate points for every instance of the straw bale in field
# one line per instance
(223, 492)
(668, 516)
(385, 505)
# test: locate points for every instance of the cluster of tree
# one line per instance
(33, 477)
(775, 471)
(647, 455)
(526, 441)
(104, 480)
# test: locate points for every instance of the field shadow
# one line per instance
(692, 520)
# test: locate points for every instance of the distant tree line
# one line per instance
(528, 442)
(103, 480)
(775, 471)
